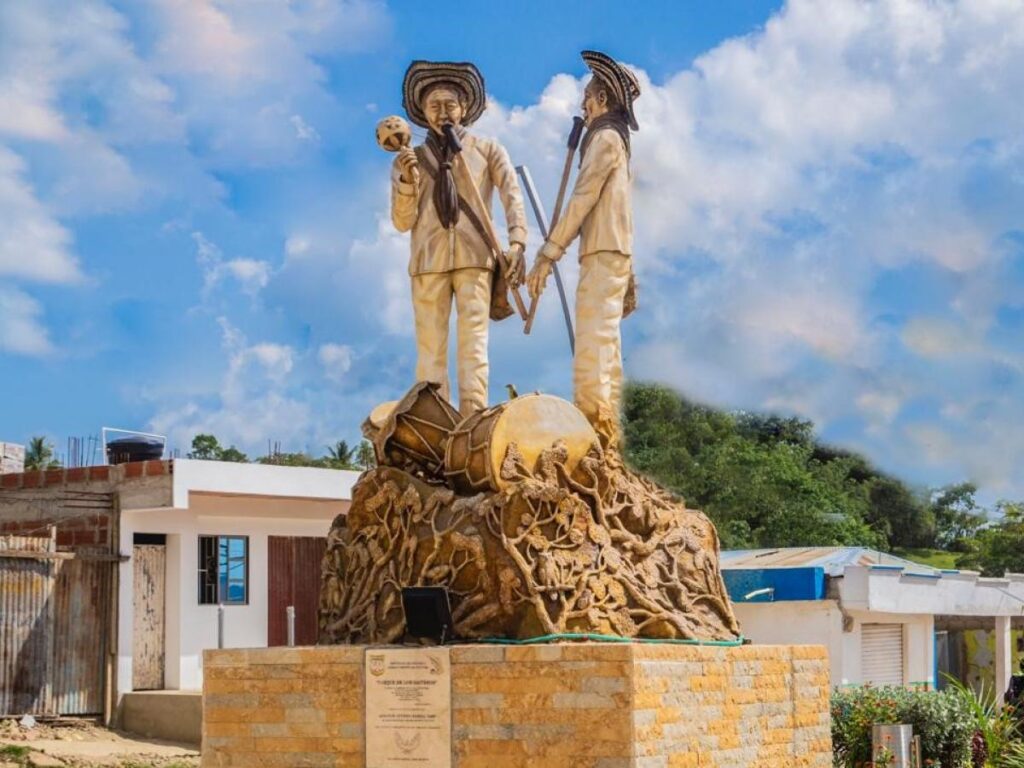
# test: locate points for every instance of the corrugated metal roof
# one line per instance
(833, 559)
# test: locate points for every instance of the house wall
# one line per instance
(80, 502)
(820, 622)
(797, 622)
(192, 628)
(980, 661)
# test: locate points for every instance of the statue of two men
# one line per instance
(450, 257)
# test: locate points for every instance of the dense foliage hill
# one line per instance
(767, 481)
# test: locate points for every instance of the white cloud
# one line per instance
(336, 360)
(296, 246)
(200, 39)
(248, 76)
(940, 339)
(33, 244)
(27, 87)
(783, 176)
(380, 265)
(251, 275)
(304, 130)
(275, 360)
(21, 331)
(879, 406)
(253, 403)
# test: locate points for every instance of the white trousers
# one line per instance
(597, 367)
(432, 295)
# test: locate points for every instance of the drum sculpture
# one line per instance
(478, 446)
(412, 433)
(527, 521)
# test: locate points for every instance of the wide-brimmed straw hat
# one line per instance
(423, 75)
(621, 80)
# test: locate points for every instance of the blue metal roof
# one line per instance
(832, 559)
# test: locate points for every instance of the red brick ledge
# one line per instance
(79, 475)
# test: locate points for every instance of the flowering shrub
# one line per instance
(941, 719)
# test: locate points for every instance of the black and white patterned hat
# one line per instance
(617, 77)
(422, 75)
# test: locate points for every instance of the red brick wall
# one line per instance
(78, 501)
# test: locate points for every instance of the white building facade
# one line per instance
(885, 621)
(221, 535)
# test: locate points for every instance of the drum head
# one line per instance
(379, 415)
(535, 423)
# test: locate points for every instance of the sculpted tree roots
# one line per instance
(602, 551)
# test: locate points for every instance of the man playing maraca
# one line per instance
(450, 255)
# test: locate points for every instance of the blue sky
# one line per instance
(829, 197)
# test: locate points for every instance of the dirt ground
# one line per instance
(83, 743)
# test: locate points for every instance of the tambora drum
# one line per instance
(534, 423)
(412, 432)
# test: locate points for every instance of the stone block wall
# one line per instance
(758, 705)
(578, 705)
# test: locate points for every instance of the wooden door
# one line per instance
(148, 630)
(294, 579)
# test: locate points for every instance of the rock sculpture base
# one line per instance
(599, 551)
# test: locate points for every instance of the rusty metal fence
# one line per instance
(26, 624)
(56, 610)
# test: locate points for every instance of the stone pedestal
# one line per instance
(584, 705)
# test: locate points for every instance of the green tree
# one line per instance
(756, 476)
(957, 516)
(297, 459)
(338, 456)
(208, 447)
(365, 456)
(39, 454)
(205, 447)
(903, 517)
(770, 428)
(233, 454)
(999, 547)
(341, 456)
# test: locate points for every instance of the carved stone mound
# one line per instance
(563, 547)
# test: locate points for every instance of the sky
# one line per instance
(829, 210)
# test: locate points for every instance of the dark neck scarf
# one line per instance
(615, 121)
(446, 195)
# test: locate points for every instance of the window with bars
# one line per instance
(223, 570)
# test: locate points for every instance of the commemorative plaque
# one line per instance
(408, 707)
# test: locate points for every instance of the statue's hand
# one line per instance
(516, 265)
(538, 276)
(408, 164)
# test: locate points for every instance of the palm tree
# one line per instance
(39, 455)
(341, 456)
(365, 457)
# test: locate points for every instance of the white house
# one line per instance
(144, 556)
(885, 620)
(248, 537)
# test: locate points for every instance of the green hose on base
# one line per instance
(608, 639)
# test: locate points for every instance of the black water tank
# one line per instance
(134, 448)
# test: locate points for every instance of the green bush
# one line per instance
(996, 725)
(941, 719)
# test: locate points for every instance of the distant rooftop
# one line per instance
(833, 559)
